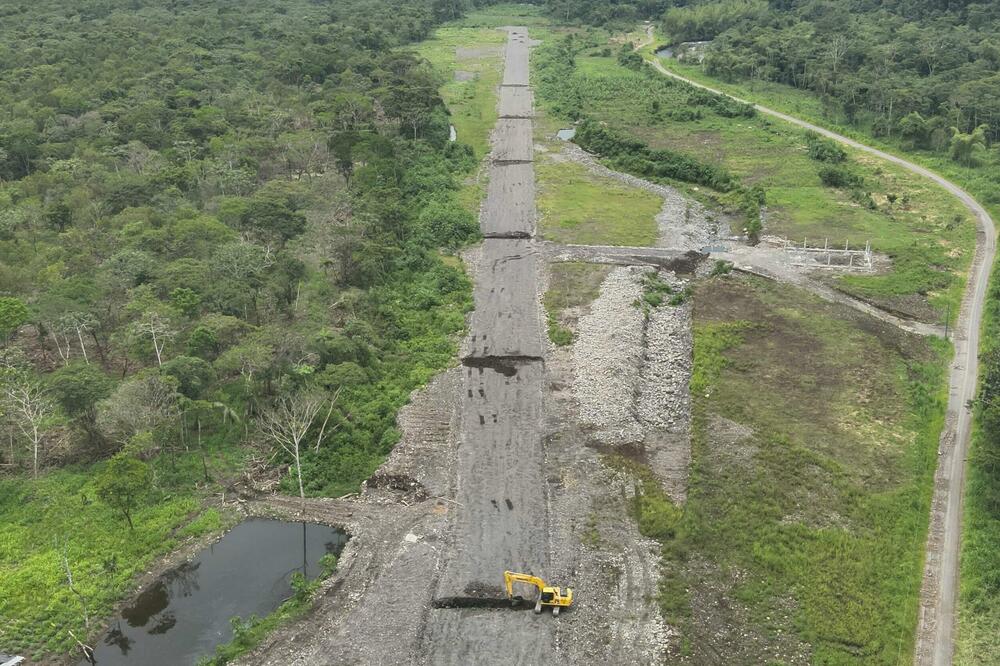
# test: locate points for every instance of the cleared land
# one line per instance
(815, 436)
(576, 205)
(928, 234)
(469, 79)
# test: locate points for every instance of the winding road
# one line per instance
(939, 592)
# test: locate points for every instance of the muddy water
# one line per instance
(186, 612)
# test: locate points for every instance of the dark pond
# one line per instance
(186, 613)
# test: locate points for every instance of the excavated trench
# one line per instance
(496, 603)
(505, 365)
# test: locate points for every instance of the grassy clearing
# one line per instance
(815, 433)
(572, 286)
(806, 106)
(470, 62)
(508, 13)
(928, 234)
(577, 206)
(59, 514)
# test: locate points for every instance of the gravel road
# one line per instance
(512, 140)
(939, 593)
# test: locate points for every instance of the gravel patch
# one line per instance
(608, 359)
(664, 398)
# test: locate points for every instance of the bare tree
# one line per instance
(76, 323)
(29, 406)
(158, 329)
(286, 423)
(72, 587)
(329, 412)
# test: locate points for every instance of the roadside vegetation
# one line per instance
(979, 611)
(737, 160)
(815, 437)
(195, 242)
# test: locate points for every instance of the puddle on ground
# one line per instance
(566, 134)
(665, 53)
(183, 615)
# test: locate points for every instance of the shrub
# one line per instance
(838, 176)
(637, 158)
(822, 149)
(721, 267)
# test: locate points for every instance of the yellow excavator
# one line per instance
(547, 595)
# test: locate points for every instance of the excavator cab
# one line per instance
(548, 595)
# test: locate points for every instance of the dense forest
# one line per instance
(217, 219)
(222, 203)
(912, 69)
(924, 71)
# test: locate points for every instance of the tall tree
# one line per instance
(287, 422)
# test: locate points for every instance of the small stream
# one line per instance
(186, 612)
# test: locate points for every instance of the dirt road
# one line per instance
(501, 521)
(939, 593)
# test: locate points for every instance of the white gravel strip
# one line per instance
(607, 356)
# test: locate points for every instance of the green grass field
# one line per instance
(926, 232)
(815, 433)
(576, 206)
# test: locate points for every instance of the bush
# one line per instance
(721, 267)
(838, 176)
(627, 57)
(822, 149)
(637, 158)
